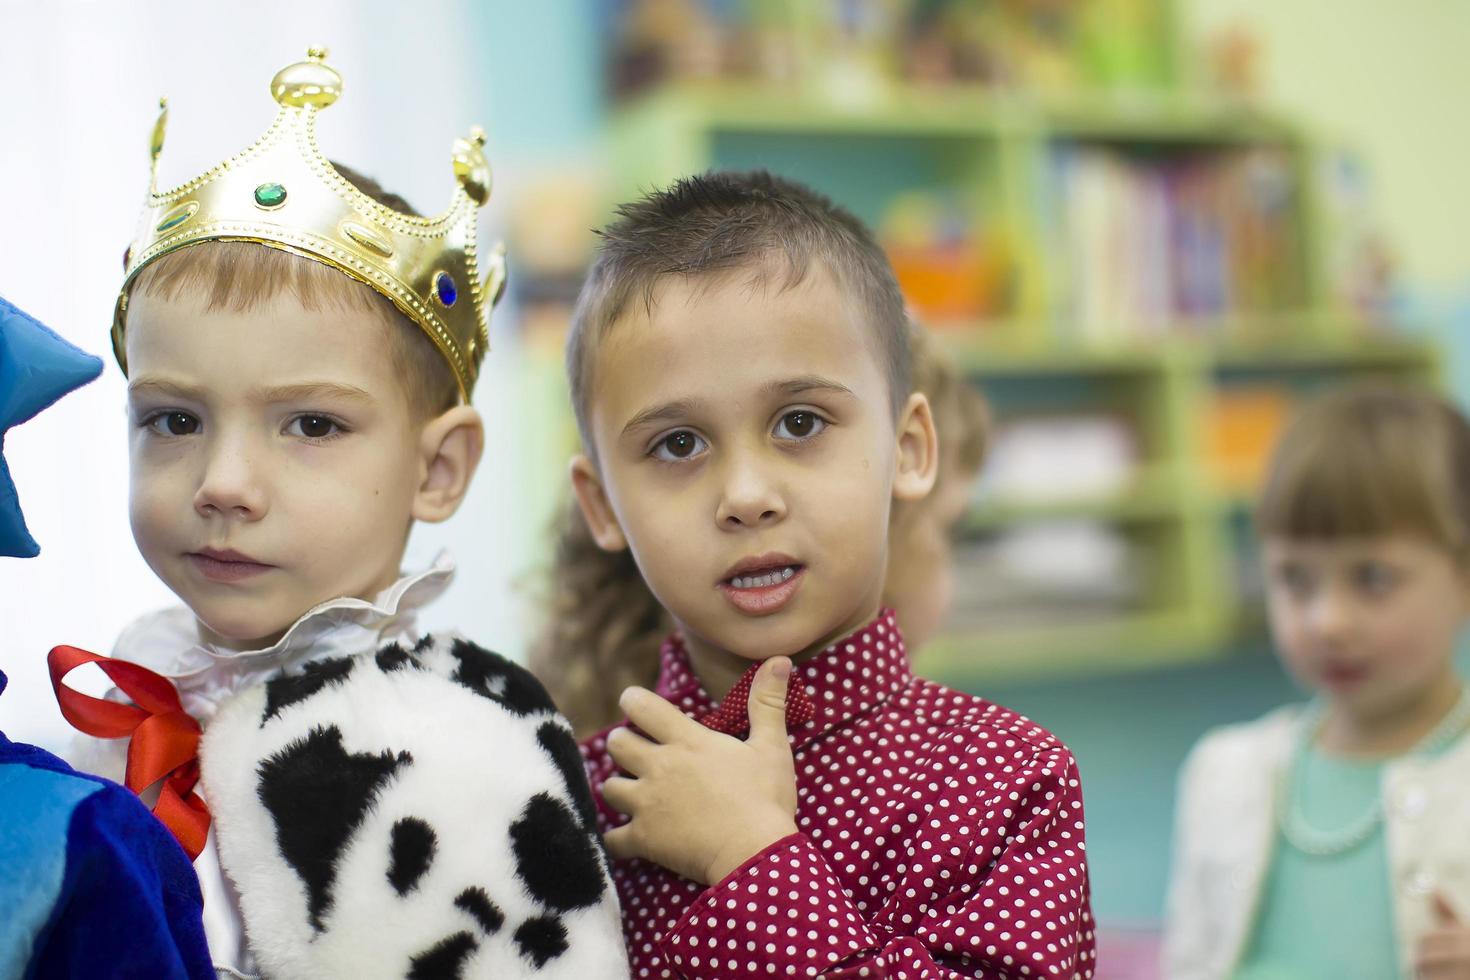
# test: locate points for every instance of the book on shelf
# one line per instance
(1158, 243)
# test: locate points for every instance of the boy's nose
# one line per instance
(231, 486)
(750, 499)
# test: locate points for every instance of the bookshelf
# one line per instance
(1091, 202)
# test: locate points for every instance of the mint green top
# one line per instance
(1327, 916)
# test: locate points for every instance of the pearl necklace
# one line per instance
(1327, 843)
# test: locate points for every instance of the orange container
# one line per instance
(950, 284)
(1241, 430)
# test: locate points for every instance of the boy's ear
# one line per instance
(596, 508)
(917, 460)
(449, 452)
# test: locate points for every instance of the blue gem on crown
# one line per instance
(445, 289)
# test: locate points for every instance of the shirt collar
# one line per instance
(205, 674)
(850, 678)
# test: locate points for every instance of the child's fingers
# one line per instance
(630, 750)
(651, 713)
(767, 705)
(1444, 949)
(622, 843)
(620, 793)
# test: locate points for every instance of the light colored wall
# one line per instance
(1390, 80)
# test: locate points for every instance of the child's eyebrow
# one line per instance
(787, 388)
(162, 388)
(804, 384)
(660, 413)
(311, 390)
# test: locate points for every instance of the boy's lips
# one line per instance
(225, 566)
(763, 584)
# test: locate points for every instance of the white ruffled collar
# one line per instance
(168, 641)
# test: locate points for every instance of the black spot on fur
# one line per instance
(287, 689)
(555, 857)
(492, 676)
(562, 748)
(474, 901)
(394, 657)
(318, 794)
(425, 641)
(410, 853)
(445, 959)
(542, 938)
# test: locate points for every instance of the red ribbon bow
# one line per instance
(164, 742)
(732, 715)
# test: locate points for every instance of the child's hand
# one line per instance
(1444, 951)
(703, 802)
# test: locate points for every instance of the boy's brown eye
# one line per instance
(799, 425)
(680, 444)
(316, 426)
(179, 423)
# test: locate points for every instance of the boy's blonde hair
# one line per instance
(239, 276)
(604, 628)
(1372, 460)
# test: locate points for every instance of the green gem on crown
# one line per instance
(270, 195)
(177, 216)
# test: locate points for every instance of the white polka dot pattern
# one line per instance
(939, 835)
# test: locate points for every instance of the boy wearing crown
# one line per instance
(362, 801)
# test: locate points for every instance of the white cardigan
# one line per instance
(1225, 831)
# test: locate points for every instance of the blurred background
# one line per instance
(1146, 229)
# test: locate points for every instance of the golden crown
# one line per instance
(282, 192)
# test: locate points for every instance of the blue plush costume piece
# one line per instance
(91, 885)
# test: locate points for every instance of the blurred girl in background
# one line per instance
(1333, 839)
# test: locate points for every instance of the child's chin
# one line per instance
(243, 632)
(767, 637)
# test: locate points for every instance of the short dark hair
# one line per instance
(722, 221)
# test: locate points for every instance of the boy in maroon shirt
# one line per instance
(792, 801)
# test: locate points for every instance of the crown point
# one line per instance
(493, 288)
(317, 53)
(160, 128)
(470, 166)
(307, 83)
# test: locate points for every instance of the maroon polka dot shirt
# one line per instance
(939, 835)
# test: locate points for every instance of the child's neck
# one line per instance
(1368, 734)
(209, 637)
(717, 669)
(214, 638)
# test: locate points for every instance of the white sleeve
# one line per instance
(1188, 925)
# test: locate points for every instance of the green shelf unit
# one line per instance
(992, 146)
(978, 113)
(974, 658)
(1148, 499)
(997, 150)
